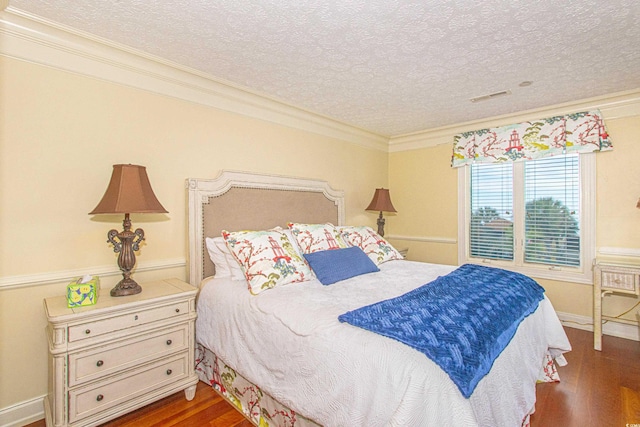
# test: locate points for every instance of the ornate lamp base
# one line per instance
(125, 243)
(381, 225)
(126, 287)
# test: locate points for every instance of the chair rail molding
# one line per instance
(619, 252)
(38, 279)
(424, 239)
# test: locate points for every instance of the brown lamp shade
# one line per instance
(129, 191)
(381, 201)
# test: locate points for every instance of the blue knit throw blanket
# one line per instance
(461, 321)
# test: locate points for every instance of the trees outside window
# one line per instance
(551, 234)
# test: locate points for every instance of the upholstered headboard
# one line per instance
(245, 201)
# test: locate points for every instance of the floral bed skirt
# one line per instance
(263, 410)
(259, 408)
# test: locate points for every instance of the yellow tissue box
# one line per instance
(82, 294)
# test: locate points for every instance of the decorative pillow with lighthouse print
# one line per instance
(267, 258)
(317, 237)
(374, 245)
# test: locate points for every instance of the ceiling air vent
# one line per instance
(490, 96)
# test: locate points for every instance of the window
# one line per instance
(534, 216)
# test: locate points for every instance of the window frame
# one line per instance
(581, 274)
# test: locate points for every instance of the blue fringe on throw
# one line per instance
(461, 321)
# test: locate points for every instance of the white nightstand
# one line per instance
(612, 277)
(123, 353)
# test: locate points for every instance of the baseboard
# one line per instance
(620, 330)
(22, 413)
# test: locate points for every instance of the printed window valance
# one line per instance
(574, 133)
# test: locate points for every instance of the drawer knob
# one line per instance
(177, 310)
(99, 398)
(87, 331)
(136, 317)
(99, 363)
(169, 342)
(169, 371)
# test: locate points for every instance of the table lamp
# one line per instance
(381, 202)
(129, 191)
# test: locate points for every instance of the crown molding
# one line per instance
(612, 106)
(33, 39)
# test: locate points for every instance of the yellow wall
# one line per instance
(424, 189)
(60, 134)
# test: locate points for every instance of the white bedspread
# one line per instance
(289, 341)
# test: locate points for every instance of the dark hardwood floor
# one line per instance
(597, 389)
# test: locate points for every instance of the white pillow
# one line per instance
(217, 258)
(225, 263)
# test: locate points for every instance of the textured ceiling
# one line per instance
(390, 67)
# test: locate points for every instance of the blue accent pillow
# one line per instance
(334, 265)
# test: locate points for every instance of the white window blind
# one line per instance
(491, 225)
(552, 211)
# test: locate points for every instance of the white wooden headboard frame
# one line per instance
(230, 197)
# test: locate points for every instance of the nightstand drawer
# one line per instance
(620, 281)
(134, 318)
(98, 397)
(106, 360)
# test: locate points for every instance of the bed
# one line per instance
(281, 355)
